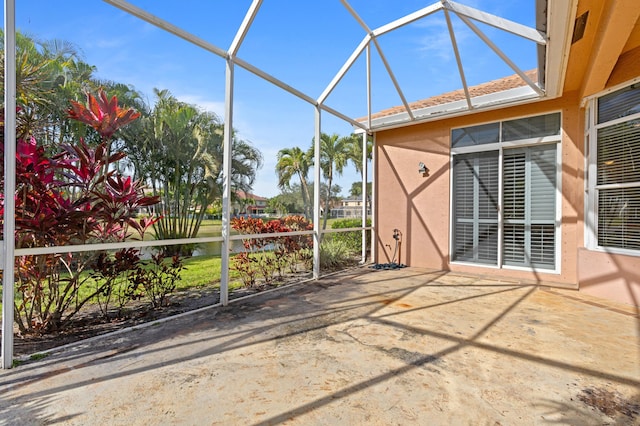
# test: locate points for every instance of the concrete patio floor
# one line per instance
(399, 347)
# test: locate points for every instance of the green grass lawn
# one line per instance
(199, 272)
(202, 271)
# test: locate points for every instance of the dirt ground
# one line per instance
(409, 346)
(91, 322)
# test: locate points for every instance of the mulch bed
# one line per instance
(91, 322)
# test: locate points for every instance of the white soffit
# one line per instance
(516, 96)
(561, 17)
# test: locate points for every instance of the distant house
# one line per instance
(249, 204)
(349, 208)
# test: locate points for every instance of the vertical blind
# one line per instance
(617, 183)
(530, 208)
(619, 218)
(528, 183)
(621, 103)
(476, 180)
(531, 127)
(619, 153)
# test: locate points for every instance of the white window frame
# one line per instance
(591, 170)
(500, 147)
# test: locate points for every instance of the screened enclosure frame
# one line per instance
(556, 18)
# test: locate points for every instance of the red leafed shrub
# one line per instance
(75, 197)
(268, 258)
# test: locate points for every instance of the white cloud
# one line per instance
(436, 40)
(209, 105)
(108, 43)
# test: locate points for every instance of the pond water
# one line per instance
(215, 248)
(206, 249)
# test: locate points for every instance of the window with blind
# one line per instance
(614, 175)
(476, 207)
(529, 195)
(519, 226)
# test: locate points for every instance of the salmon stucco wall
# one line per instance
(419, 206)
(604, 274)
(414, 203)
(610, 276)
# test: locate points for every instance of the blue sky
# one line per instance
(303, 43)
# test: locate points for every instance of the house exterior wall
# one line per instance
(419, 206)
(602, 274)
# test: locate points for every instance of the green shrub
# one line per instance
(353, 239)
(268, 258)
(334, 254)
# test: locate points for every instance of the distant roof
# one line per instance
(483, 95)
(248, 196)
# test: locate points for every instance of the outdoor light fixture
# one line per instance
(422, 169)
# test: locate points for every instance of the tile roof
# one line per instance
(248, 196)
(494, 86)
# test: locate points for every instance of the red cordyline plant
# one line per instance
(73, 197)
(268, 258)
(102, 113)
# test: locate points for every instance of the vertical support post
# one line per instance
(365, 172)
(317, 236)
(226, 181)
(365, 136)
(8, 272)
(374, 212)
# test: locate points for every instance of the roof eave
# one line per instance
(510, 97)
(560, 20)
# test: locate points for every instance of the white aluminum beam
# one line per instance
(264, 235)
(273, 80)
(317, 237)
(454, 44)
(365, 170)
(226, 182)
(501, 54)
(496, 22)
(393, 78)
(112, 246)
(167, 26)
(342, 230)
(342, 116)
(365, 173)
(9, 242)
(369, 86)
(407, 19)
(374, 209)
(244, 27)
(355, 15)
(347, 65)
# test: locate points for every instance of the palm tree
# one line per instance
(355, 152)
(40, 84)
(179, 152)
(295, 162)
(355, 156)
(334, 154)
